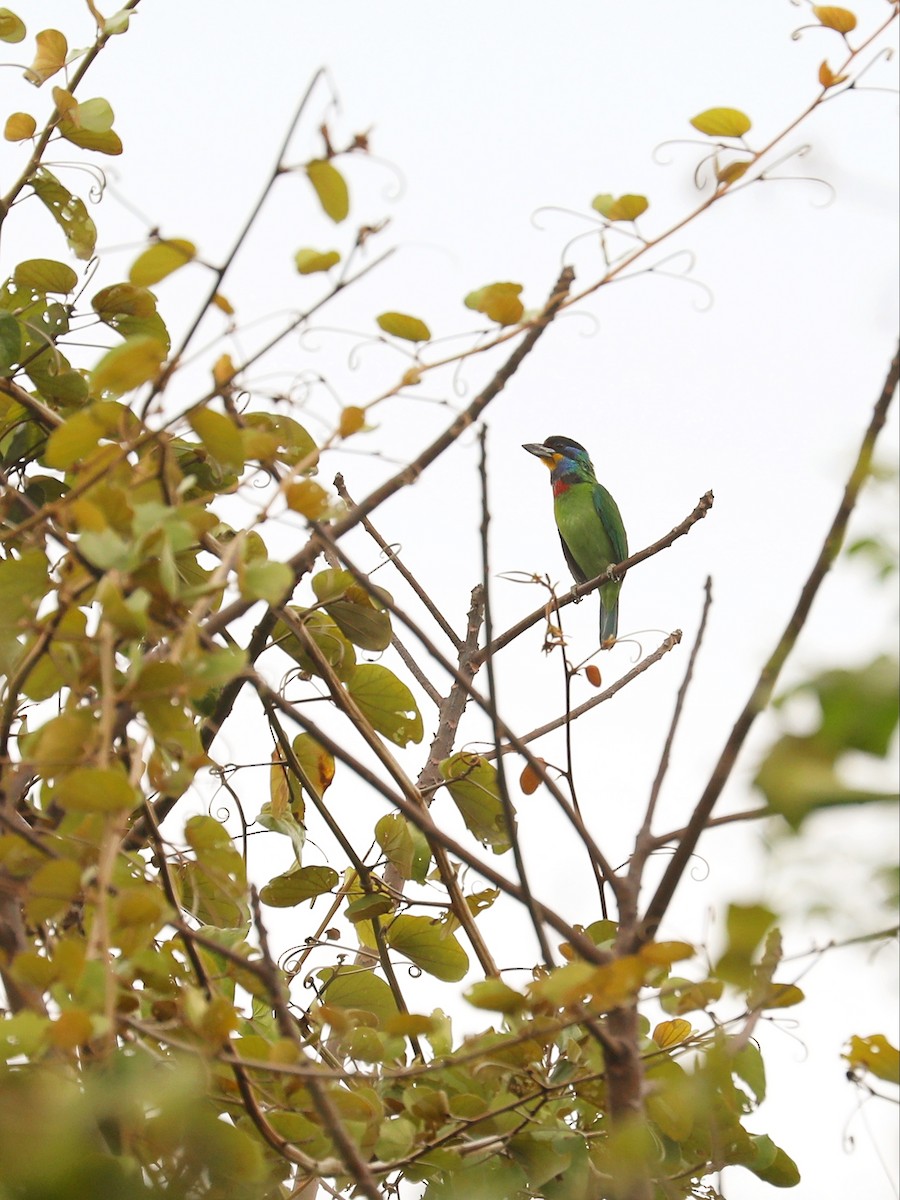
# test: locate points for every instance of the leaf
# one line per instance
(96, 789)
(359, 612)
(498, 301)
(12, 28)
(875, 1054)
(387, 703)
(496, 996)
(160, 260)
(531, 779)
(473, 784)
(123, 299)
(410, 329)
(67, 210)
(310, 261)
(832, 17)
(220, 436)
(779, 1170)
(359, 988)
(106, 141)
(52, 888)
(369, 907)
(264, 580)
(75, 439)
(19, 127)
(429, 945)
(672, 1033)
(405, 846)
(49, 58)
(45, 275)
(722, 122)
(732, 172)
(781, 995)
(746, 926)
(330, 187)
(297, 885)
(353, 419)
(317, 763)
(620, 208)
(827, 78)
(10, 341)
(126, 367)
(338, 652)
(308, 498)
(680, 996)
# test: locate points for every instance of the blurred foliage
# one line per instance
(151, 1044)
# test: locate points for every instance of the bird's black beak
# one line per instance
(537, 449)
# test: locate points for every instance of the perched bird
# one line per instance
(589, 523)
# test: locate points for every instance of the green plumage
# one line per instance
(589, 523)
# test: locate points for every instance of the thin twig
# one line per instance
(768, 677)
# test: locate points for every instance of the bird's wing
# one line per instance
(608, 512)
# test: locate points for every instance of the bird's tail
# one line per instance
(609, 620)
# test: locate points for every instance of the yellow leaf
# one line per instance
(12, 28)
(498, 301)
(223, 305)
(731, 172)
(722, 122)
(307, 497)
(71, 1029)
(19, 127)
(622, 208)
(840, 19)
(876, 1054)
(827, 78)
(310, 261)
(672, 1033)
(330, 187)
(353, 419)
(126, 367)
(52, 49)
(663, 954)
(223, 370)
(160, 260)
(400, 325)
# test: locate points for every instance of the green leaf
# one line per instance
(498, 301)
(832, 17)
(45, 275)
(360, 988)
(161, 259)
(777, 1169)
(338, 652)
(10, 342)
(368, 907)
(429, 945)
(75, 439)
(220, 436)
(68, 211)
(748, 1065)
(126, 367)
(52, 888)
(679, 996)
(359, 612)
(746, 926)
(12, 28)
(297, 885)
(400, 325)
(860, 708)
(405, 847)
(96, 789)
(387, 703)
(472, 782)
(310, 261)
(722, 122)
(330, 187)
(620, 208)
(284, 821)
(105, 141)
(23, 581)
(263, 580)
(496, 996)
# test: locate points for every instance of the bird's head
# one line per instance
(568, 461)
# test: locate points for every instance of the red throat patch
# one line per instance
(559, 486)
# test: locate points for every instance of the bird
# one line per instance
(589, 522)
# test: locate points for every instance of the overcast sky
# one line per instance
(755, 378)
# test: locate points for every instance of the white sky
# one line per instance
(490, 112)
